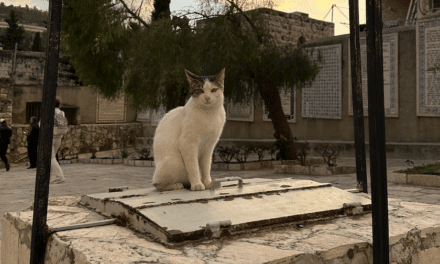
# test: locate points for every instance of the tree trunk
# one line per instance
(272, 100)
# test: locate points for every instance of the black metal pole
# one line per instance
(376, 120)
(39, 227)
(356, 92)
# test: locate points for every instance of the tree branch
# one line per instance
(259, 36)
(134, 14)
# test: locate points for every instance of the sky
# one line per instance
(317, 9)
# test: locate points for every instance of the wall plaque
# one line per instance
(428, 57)
(288, 104)
(240, 112)
(110, 111)
(323, 98)
(390, 76)
(143, 115)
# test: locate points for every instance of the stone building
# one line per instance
(94, 122)
(291, 29)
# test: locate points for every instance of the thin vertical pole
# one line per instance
(356, 92)
(376, 119)
(39, 227)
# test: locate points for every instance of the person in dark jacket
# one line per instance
(5, 140)
(32, 133)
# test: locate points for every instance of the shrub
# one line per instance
(281, 145)
(261, 151)
(303, 151)
(143, 153)
(242, 154)
(330, 154)
(124, 153)
(226, 154)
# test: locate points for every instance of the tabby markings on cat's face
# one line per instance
(206, 89)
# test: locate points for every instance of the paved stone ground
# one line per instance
(17, 185)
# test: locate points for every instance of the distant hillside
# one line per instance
(26, 15)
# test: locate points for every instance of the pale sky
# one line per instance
(317, 9)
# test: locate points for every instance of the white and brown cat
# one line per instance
(186, 136)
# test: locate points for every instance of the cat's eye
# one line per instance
(199, 91)
(213, 90)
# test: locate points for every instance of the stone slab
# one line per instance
(335, 241)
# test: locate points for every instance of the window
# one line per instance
(70, 113)
(33, 109)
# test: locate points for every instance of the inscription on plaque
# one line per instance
(428, 62)
(240, 112)
(110, 110)
(143, 115)
(390, 76)
(288, 105)
(323, 98)
(157, 115)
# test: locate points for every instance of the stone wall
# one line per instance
(288, 28)
(29, 69)
(395, 9)
(80, 139)
(6, 95)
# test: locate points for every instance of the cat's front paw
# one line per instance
(207, 184)
(198, 187)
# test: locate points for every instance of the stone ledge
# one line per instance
(345, 240)
(103, 161)
(314, 170)
(414, 179)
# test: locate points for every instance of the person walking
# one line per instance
(32, 133)
(60, 129)
(5, 140)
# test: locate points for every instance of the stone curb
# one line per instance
(314, 170)
(414, 179)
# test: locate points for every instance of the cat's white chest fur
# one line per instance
(185, 138)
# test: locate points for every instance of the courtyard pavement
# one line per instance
(17, 186)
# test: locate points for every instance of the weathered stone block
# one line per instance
(276, 162)
(302, 169)
(280, 168)
(9, 240)
(424, 180)
(252, 166)
(266, 164)
(234, 166)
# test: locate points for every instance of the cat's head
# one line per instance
(206, 90)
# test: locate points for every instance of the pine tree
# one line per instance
(152, 57)
(14, 33)
(36, 45)
(161, 9)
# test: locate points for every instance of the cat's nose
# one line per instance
(207, 98)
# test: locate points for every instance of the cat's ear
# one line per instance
(219, 79)
(194, 80)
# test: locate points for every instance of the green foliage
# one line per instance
(433, 169)
(36, 45)
(143, 153)
(25, 14)
(94, 38)
(161, 9)
(104, 43)
(14, 33)
(124, 153)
